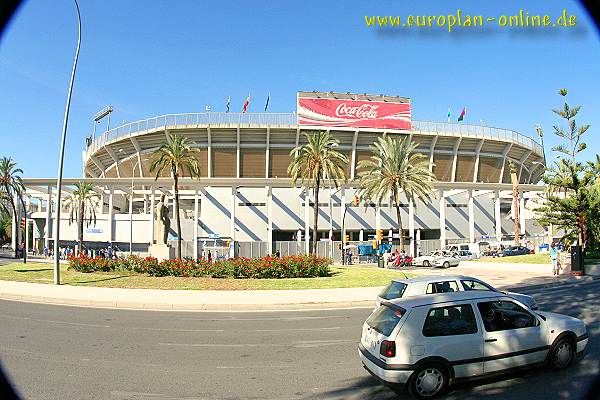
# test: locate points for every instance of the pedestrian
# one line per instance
(554, 259)
(209, 256)
(386, 257)
(277, 254)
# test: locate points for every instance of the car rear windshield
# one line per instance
(394, 290)
(385, 319)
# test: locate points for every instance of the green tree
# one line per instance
(572, 201)
(177, 157)
(82, 204)
(395, 168)
(11, 185)
(312, 164)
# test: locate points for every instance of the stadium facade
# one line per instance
(245, 197)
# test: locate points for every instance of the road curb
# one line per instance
(578, 281)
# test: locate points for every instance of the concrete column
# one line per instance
(270, 218)
(196, 217)
(14, 231)
(233, 206)
(342, 211)
(361, 235)
(110, 215)
(48, 229)
(497, 215)
(522, 213)
(471, 217)
(418, 242)
(442, 210)
(377, 219)
(27, 206)
(411, 226)
(307, 221)
(152, 214)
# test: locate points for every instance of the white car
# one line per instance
(465, 255)
(445, 259)
(429, 342)
(435, 284)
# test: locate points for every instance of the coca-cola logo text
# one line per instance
(364, 111)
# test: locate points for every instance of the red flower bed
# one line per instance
(241, 268)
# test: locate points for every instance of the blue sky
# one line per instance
(149, 58)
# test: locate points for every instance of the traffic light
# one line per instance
(379, 235)
(346, 238)
(22, 224)
(374, 244)
(356, 201)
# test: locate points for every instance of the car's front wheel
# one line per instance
(428, 382)
(446, 264)
(562, 354)
(426, 263)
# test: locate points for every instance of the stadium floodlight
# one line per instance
(103, 113)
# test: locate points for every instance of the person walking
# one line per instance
(209, 257)
(554, 259)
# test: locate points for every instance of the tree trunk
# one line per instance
(399, 217)
(80, 215)
(16, 218)
(176, 211)
(315, 218)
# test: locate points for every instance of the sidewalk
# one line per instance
(502, 276)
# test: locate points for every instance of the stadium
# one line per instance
(244, 198)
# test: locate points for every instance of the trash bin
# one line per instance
(380, 261)
(576, 260)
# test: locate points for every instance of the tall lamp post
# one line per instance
(62, 153)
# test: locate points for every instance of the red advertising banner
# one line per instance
(354, 113)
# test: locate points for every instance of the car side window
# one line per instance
(451, 320)
(442, 287)
(505, 315)
(469, 284)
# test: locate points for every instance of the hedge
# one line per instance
(241, 268)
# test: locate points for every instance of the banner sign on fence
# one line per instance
(354, 110)
(94, 230)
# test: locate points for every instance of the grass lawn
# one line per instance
(542, 258)
(353, 276)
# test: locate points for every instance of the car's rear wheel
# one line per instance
(428, 381)
(446, 264)
(426, 263)
(562, 354)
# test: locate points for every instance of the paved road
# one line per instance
(55, 352)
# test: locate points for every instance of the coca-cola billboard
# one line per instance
(323, 109)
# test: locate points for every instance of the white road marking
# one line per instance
(265, 318)
(294, 330)
(56, 322)
(299, 344)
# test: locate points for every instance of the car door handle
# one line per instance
(491, 340)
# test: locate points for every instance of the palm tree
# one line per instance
(11, 184)
(514, 179)
(177, 157)
(315, 162)
(395, 168)
(82, 206)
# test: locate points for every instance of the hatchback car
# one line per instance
(430, 342)
(435, 284)
(439, 258)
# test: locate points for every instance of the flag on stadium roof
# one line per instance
(246, 103)
(448, 114)
(462, 114)
(268, 97)
(228, 103)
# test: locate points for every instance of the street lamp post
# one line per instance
(62, 153)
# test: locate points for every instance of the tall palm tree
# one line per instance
(514, 179)
(11, 184)
(312, 164)
(82, 205)
(395, 168)
(177, 157)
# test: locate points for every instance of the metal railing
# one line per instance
(290, 119)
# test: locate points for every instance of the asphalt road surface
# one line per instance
(58, 352)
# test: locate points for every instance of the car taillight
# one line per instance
(388, 348)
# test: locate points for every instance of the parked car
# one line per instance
(466, 255)
(434, 284)
(429, 342)
(516, 251)
(446, 261)
(427, 261)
